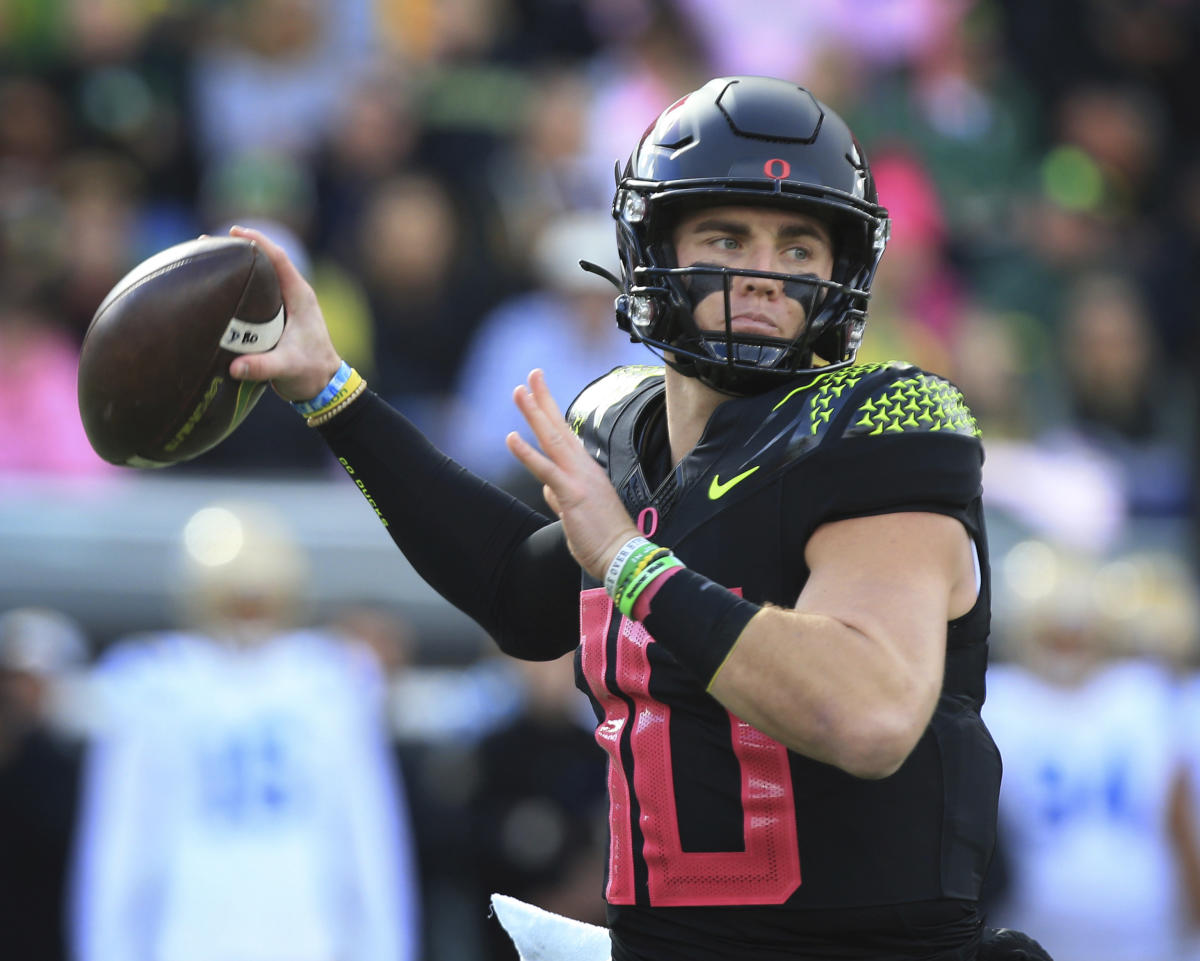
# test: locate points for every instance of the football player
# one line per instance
(771, 559)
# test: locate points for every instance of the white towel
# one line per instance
(544, 936)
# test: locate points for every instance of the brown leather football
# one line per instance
(154, 384)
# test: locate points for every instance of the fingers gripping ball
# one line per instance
(154, 384)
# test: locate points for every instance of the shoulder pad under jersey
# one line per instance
(608, 393)
(866, 399)
(912, 401)
(892, 397)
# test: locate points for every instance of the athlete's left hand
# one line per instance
(574, 485)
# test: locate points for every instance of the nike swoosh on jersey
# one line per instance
(717, 489)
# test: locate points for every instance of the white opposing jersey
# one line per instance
(1189, 726)
(1083, 810)
(241, 805)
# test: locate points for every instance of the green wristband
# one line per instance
(635, 562)
(628, 593)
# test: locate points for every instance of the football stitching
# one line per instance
(116, 294)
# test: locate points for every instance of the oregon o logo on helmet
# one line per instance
(777, 168)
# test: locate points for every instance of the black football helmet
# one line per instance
(740, 141)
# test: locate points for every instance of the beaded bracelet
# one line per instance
(324, 416)
(345, 385)
(636, 565)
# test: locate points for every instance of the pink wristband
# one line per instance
(641, 607)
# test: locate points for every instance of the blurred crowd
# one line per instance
(438, 167)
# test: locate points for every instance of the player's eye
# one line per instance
(798, 253)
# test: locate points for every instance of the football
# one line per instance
(154, 384)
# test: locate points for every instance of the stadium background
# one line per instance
(430, 162)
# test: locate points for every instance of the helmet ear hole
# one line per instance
(746, 141)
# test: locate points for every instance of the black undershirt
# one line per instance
(491, 556)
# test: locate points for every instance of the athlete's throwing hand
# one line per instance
(304, 360)
(575, 486)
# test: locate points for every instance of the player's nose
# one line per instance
(768, 286)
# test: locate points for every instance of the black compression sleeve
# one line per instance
(698, 621)
(488, 554)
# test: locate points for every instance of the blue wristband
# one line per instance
(310, 407)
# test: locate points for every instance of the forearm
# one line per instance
(819, 686)
(488, 554)
(852, 673)
(826, 690)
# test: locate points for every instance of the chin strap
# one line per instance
(600, 272)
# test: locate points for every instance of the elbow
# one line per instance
(876, 742)
(876, 746)
(877, 760)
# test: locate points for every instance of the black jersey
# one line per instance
(715, 828)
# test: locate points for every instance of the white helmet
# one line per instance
(241, 570)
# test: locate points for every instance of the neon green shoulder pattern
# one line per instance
(921, 402)
(600, 395)
(824, 392)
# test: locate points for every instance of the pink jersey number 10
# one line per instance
(766, 871)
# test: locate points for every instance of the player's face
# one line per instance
(755, 238)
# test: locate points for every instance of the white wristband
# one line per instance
(614, 569)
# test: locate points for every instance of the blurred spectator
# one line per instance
(34, 131)
(1123, 401)
(658, 58)
(259, 185)
(101, 208)
(34, 125)
(1121, 130)
(375, 135)
(39, 364)
(240, 802)
(1057, 489)
(545, 171)
(127, 72)
(917, 299)
(1038, 480)
(998, 360)
(438, 773)
(968, 118)
(1095, 820)
(274, 74)
(116, 75)
(565, 325)
(40, 651)
(538, 808)
(425, 292)
(519, 31)
(793, 40)
(1151, 43)
(440, 708)
(758, 36)
(386, 634)
(470, 83)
